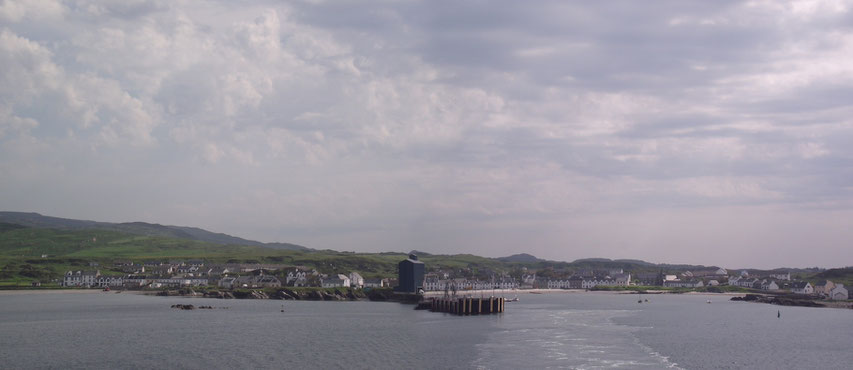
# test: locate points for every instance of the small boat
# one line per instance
(106, 289)
(708, 301)
(514, 299)
(639, 301)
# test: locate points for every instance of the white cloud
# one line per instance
(397, 121)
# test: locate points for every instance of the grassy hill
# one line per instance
(839, 275)
(35, 220)
(33, 242)
(43, 248)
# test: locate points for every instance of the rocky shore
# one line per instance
(287, 294)
(779, 300)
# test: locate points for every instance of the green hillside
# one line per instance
(35, 220)
(839, 275)
(33, 242)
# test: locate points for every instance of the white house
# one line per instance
(744, 282)
(769, 285)
(335, 281)
(506, 283)
(558, 284)
(112, 281)
(228, 282)
(824, 287)
(356, 280)
(615, 280)
(802, 287)
(781, 276)
(683, 283)
(431, 283)
(379, 283)
(297, 278)
(81, 278)
(839, 293)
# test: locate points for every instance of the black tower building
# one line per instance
(411, 275)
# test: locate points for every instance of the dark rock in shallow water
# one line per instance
(781, 301)
(748, 298)
(183, 306)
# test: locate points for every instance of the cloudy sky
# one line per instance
(712, 132)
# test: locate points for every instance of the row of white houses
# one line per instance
(91, 279)
(589, 282)
(434, 284)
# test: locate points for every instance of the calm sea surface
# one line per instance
(577, 330)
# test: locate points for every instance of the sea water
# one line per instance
(574, 330)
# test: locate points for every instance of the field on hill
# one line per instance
(30, 254)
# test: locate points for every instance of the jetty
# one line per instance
(465, 305)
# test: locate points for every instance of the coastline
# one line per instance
(569, 291)
(64, 291)
(487, 292)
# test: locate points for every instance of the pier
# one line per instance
(466, 305)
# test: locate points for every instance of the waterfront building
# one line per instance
(297, 278)
(691, 283)
(81, 278)
(356, 280)
(109, 281)
(433, 283)
(780, 276)
(838, 293)
(335, 281)
(650, 278)
(823, 287)
(802, 287)
(506, 283)
(410, 275)
(575, 282)
(374, 283)
(228, 282)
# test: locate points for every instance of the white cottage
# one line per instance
(802, 287)
(839, 293)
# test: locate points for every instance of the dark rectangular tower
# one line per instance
(411, 275)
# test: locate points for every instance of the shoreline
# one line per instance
(572, 291)
(506, 293)
(64, 291)
(494, 292)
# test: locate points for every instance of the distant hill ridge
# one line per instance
(35, 220)
(520, 257)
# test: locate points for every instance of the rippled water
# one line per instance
(105, 330)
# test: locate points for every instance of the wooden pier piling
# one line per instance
(467, 305)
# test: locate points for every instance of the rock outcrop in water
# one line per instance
(778, 300)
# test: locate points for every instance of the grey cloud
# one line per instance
(450, 126)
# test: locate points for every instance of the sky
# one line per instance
(704, 132)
